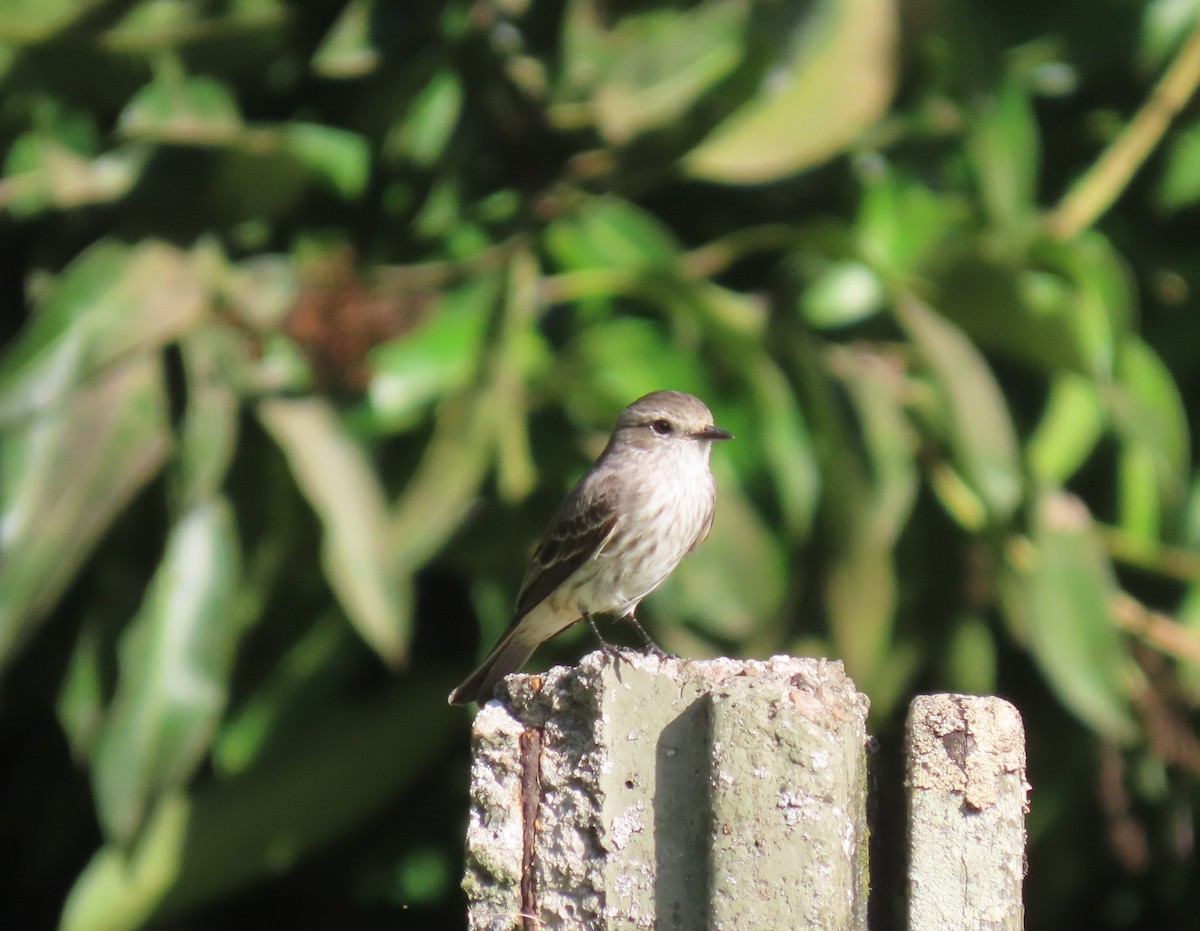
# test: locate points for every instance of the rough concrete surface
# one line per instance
(967, 803)
(670, 794)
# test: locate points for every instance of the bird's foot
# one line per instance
(651, 647)
(612, 652)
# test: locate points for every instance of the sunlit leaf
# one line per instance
(209, 429)
(975, 420)
(437, 496)
(1004, 153)
(902, 223)
(64, 476)
(438, 357)
(647, 68)
(203, 846)
(285, 697)
(1022, 314)
(82, 698)
(111, 302)
(1148, 412)
(866, 507)
(845, 293)
(630, 357)
(611, 233)
(1072, 423)
(787, 446)
(33, 21)
(338, 157)
(1165, 25)
(182, 109)
(838, 82)
(885, 437)
(347, 51)
(1179, 186)
(176, 659)
(518, 354)
(860, 595)
(336, 476)
(42, 173)
(428, 125)
(1059, 593)
(970, 660)
(1139, 495)
(1100, 302)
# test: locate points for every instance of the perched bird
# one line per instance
(646, 503)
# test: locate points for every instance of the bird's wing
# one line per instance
(575, 535)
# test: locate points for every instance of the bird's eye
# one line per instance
(661, 427)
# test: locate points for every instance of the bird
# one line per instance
(646, 503)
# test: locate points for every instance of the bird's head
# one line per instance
(667, 417)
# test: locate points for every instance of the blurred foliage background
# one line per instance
(312, 311)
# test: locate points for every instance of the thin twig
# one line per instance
(1156, 629)
(1104, 182)
(1172, 561)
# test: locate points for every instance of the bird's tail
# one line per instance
(509, 655)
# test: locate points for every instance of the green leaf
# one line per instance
(971, 660)
(1140, 503)
(421, 137)
(861, 596)
(520, 354)
(286, 697)
(973, 416)
(1148, 413)
(64, 476)
(339, 481)
(184, 110)
(326, 780)
(111, 302)
(843, 294)
(901, 224)
(629, 357)
(648, 69)
(1004, 151)
(611, 233)
(453, 465)
(837, 82)
(348, 51)
(1058, 594)
(787, 445)
(33, 21)
(1029, 315)
(437, 358)
(338, 157)
(176, 660)
(82, 697)
(1165, 26)
(1100, 300)
(1072, 423)
(866, 508)
(43, 173)
(886, 438)
(209, 430)
(1179, 186)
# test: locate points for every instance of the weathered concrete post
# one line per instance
(967, 802)
(671, 794)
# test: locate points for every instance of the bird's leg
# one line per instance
(651, 646)
(608, 648)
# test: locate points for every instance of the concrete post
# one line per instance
(671, 794)
(967, 802)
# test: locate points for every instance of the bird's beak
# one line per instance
(712, 433)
